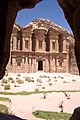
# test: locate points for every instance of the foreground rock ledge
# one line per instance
(9, 117)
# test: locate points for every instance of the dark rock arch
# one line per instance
(8, 12)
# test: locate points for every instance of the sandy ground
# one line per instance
(23, 106)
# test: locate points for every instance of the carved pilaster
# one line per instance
(57, 44)
(50, 64)
(26, 64)
(23, 41)
(53, 62)
(30, 44)
(22, 65)
(34, 65)
(37, 43)
(14, 65)
(64, 43)
(46, 65)
(14, 42)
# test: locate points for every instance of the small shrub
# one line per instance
(64, 81)
(48, 77)
(54, 77)
(4, 81)
(17, 78)
(73, 80)
(55, 81)
(20, 81)
(10, 78)
(59, 76)
(7, 87)
(49, 80)
(28, 79)
(19, 75)
(15, 85)
(40, 76)
(43, 87)
(50, 84)
(62, 77)
(32, 77)
(36, 89)
(39, 80)
(32, 80)
(12, 81)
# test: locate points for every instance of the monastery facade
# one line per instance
(41, 46)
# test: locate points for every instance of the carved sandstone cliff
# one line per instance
(71, 9)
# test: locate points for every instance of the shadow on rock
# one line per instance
(9, 117)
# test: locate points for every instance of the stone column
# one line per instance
(18, 44)
(11, 43)
(44, 45)
(53, 62)
(30, 44)
(32, 65)
(30, 68)
(35, 65)
(22, 65)
(57, 44)
(46, 65)
(43, 66)
(50, 44)
(14, 65)
(50, 64)
(37, 43)
(64, 43)
(14, 42)
(66, 64)
(26, 64)
(23, 41)
(56, 64)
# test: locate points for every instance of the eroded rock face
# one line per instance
(8, 12)
(71, 9)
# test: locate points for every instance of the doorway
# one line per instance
(40, 65)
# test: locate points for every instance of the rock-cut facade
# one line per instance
(41, 46)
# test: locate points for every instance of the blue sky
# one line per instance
(47, 9)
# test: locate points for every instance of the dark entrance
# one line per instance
(40, 65)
